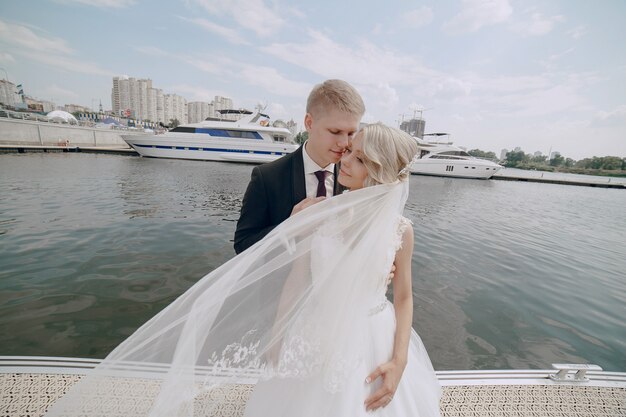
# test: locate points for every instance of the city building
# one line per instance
(139, 100)
(132, 97)
(224, 103)
(503, 153)
(9, 93)
(174, 107)
(198, 111)
(414, 127)
(35, 105)
(75, 108)
(292, 126)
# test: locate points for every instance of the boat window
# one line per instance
(446, 157)
(459, 153)
(424, 152)
(184, 129)
(228, 133)
(279, 139)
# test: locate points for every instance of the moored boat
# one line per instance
(251, 139)
(446, 160)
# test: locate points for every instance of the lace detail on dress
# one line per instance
(238, 359)
(403, 224)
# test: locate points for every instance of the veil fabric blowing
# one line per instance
(294, 305)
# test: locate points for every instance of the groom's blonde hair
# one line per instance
(335, 96)
(387, 152)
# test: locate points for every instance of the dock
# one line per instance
(30, 385)
(561, 179)
(114, 150)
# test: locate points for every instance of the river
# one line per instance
(505, 274)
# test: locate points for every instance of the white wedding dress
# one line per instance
(302, 314)
(417, 394)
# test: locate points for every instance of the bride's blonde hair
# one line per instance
(388, 152)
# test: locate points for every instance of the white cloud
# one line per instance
(538, 25)
(227, 33)
(59, 92)
(550, 62)
(152, 50)
(196, 92)
(103, 4)
(22, 40)
(69, 64)
(578, 32)
(271, 80)
(5, 57)
(418, 17)
(365, 63)
(478, 13)
(613, 118)
(253, 15)
(209, 66)
(22, 36)
(277, 111)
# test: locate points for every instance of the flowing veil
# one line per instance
(294, 305)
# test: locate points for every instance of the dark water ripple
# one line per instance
(506, 275)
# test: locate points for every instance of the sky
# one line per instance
(541, 75)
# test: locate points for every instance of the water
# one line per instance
(505, 274)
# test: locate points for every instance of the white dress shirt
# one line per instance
(310, 179)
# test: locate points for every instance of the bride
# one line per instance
(302, 315)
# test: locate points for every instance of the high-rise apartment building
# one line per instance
(198, 111)
(130, 98)
(174, 107)
(224, 103)
(160, 105)
(136, 98)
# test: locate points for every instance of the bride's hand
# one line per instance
(390, 372)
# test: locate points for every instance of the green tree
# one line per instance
(569, 162)
(301, 137)
(539, 159)
(174, 123)
(514, 158)
(612, 162)
(482, 154)
(557, 161)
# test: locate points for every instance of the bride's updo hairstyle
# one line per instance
(388, 152)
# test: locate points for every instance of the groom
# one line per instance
(282, 188)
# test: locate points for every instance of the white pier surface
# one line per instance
(29, 385)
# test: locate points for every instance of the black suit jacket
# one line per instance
(273, 190)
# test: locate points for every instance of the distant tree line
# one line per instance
(484, 155)
(595, 165)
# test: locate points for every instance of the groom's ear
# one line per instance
(308, 121)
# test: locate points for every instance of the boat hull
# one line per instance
(242, 151)
(471, 168)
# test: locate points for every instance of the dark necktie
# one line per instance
(321, 184)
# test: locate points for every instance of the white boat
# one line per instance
(251, 139)
(446, 160)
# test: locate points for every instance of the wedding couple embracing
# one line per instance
(301, 312)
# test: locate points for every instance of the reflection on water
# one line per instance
(506, 275)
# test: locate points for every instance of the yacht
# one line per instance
(250, 139)
(446, 160)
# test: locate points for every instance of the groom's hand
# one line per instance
(306, 203)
